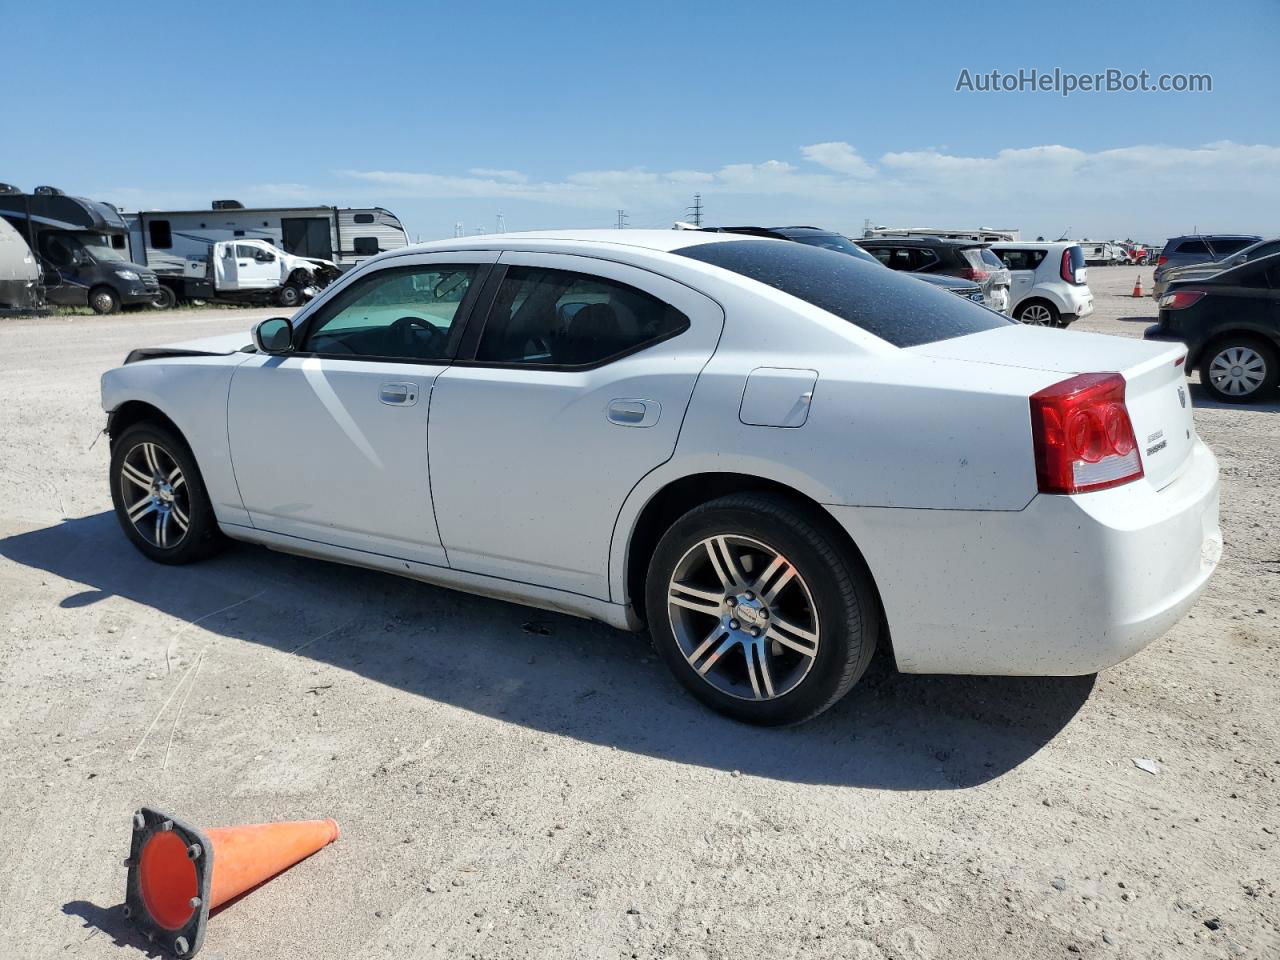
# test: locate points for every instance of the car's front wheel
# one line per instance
(159, 496)
(1240, 370)
(760, 610)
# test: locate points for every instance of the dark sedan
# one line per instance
(1230, 323)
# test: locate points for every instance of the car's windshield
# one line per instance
(834, 241)
(99, 247)
(893, 306)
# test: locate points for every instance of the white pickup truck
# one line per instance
(247, 271)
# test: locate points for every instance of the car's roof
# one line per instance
(1035, 244)
(660, 240)
(1227, 277)
(921, 242)
(1214, 236)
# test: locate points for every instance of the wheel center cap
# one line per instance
(749, 613)
(1237, 371)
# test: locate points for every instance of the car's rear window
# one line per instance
(1077, 257)
(896, 307)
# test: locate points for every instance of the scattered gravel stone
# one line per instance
(1058, 883)
(1142, 763)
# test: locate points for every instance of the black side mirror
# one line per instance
(274, 336)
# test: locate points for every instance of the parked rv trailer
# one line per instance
(166, 240)
(20, 288)
(983, 234)
(82, 248)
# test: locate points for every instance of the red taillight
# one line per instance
(1162, 261)
(1181, 299)
(977, 276)
(1067, 271)
(1082, 435)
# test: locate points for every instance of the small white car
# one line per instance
(1049, 282)
(772, 454)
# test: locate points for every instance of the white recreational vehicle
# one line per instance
(21, 289)
(165, 240)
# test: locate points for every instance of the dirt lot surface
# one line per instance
(515, 784)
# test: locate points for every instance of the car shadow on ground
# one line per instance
(1200, 397)
(556, 673)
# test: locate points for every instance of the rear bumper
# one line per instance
(1066, 586)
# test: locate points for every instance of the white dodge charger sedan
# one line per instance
(774, 456)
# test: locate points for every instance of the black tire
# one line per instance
(1257, 347)
(847, 614)
(166, 299)
(290, 295)
(201, 536)
(1054, 318)
(103, 300)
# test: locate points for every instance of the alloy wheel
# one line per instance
(743, 617)
(1238, 371)
(155, 494)
(1037, 316)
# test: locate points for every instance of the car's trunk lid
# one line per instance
(1156, 393)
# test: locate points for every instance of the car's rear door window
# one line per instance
(557, 318)
(1193, 247)
(901, 310)
(1225, 246)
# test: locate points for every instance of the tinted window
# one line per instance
(1022, 259)
(1077, 257)
(406, 313)
(365, 246)
(160, 235)
(1193, 246)
(363, 218)
(1225, 246)
(832, 241)
(901, 310)
(558, 318)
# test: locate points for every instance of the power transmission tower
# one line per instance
(695, 212)
(457, 229)
(502, 223)
(622, 219)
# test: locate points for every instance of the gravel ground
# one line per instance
(513, 783)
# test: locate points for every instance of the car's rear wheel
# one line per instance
(1037, 313)
(159, 495)
(760, 610)
(290, 295)
(1239, 370)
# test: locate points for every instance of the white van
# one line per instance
(1049, 282)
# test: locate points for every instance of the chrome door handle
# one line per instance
(634, 413)
(399, 394)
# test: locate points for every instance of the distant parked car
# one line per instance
(955, 258)
(1199, 248)
(828, 240)
(1198, 271)
(1050, 282)
(1230, 323)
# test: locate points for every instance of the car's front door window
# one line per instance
(404, 313)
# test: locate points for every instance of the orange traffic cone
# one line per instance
(1137, 286)
(178, 873)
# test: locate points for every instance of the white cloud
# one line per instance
(839, 157)
(489, 173)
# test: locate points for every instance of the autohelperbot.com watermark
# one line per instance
(1065, 83)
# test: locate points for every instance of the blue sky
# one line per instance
(556, 114)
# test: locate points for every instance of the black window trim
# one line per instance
(479, 320)
(462, 320)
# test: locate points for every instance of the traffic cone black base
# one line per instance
(167, 892)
